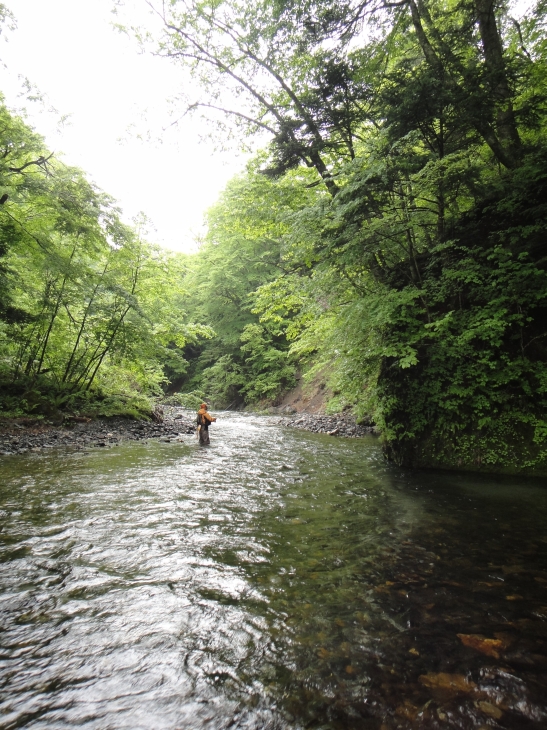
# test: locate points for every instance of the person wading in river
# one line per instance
(203, 421)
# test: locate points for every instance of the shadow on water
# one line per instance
(277, 579)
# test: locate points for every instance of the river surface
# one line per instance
(277, 580)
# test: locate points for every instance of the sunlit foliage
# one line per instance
(90, 313)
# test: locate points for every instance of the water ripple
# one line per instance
(277, 579)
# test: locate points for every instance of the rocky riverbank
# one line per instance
(339, 425)
(18, 436)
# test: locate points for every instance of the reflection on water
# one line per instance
(275, 580)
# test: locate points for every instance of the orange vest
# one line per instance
(204, 415)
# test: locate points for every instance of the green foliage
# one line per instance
(191, 400)
(475, 393)
(91, 314)
(270, 368)
(244, 361)
(222, 382)
(408, 258)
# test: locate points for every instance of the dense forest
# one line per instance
(387, 242)
(90, 313)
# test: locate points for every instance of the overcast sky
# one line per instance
(87, 70)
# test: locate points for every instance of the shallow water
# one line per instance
(278, 579)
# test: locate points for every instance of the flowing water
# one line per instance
(277, 579)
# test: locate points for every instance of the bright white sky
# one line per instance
(70, 52)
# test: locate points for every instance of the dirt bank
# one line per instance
(304, 398)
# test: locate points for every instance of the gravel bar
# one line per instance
(339, 425)
(21, 435)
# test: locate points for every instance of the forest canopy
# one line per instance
(391, 239)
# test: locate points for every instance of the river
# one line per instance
(277, 580)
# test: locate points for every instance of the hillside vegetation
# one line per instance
(90, 313)
(391, 240)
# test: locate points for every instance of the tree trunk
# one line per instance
(492, 46)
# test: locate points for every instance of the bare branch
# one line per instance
(519, 31)
(257, 122)
(40, 162)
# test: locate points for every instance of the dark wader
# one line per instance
(204, 430)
